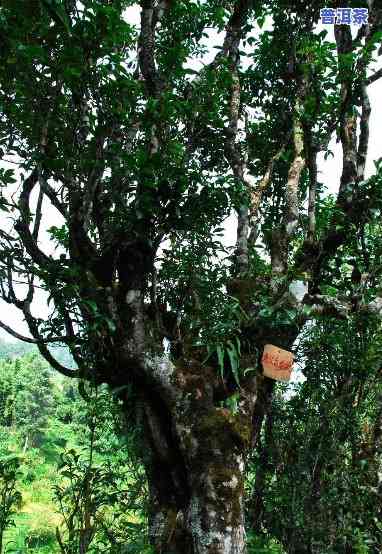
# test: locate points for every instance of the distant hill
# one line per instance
(17, 349)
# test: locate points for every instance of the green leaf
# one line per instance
(57, 12)
(220, 353)
(234, 361)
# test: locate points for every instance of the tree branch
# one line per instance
(327, 305)
(41, 345)
(51, 194)
(231, 41)
(38, 215)
(30, 340)
(348, 122)
(294, 175)
(239, 168)
(237, 160)
(22, 226)
(364, 133)
(312, 163)
(16, 335)
(257, 193)
(374, 77)
(146, 52)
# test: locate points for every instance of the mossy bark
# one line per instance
(211, 521)
(213, 444)
(215, 514)
(195, 468)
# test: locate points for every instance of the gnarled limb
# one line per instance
(256, 194)
(294, 175)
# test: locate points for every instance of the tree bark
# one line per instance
(214, 452)
(209, 517)
(194, 463)
(215, 515)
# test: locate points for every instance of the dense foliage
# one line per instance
(317, 482)
(125, 149)
(80, 492)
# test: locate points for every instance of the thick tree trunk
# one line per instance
(213, 444)
(195, 452)
(195, 469)
(167, 482)
(215, 515)
(212, 520)
(168, 532)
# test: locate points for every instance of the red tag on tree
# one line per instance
(277, 363)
